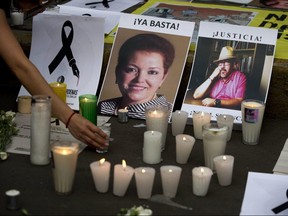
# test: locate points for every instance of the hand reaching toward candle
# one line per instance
(12, 53)
(87, 132)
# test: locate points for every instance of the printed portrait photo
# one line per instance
(144, 68)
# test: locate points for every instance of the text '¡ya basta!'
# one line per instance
(159, 24)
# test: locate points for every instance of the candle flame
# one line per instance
(202, 171)
(179, 112)
(224, 117)
(143, 170)
(102, 161)
(170, 170)
(202, 114)
(224, 158)
(124, 164)
(152, 132)
(154, 112)
(85, 99)
(184, 138)
(126, 108)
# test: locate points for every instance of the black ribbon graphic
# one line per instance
(65, 51)
(281, 207)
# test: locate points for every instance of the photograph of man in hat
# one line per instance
(226, 86)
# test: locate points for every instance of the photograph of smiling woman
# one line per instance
(142, 74)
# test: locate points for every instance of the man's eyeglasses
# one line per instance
(224, 64)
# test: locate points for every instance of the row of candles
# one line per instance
(170, 177)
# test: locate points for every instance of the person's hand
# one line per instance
(87, 132)
(215, 73)
(210, 102)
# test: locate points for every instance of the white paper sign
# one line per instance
(253, 51)
(69, 47)
(265, 194)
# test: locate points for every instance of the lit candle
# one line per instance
(224, 169)
(144, 177)
(226, 120)
(123, 115)
(101, 174)
(24, 104)
(214, 142)
(122, 177)
(199, 119)
(88, 107)
(59, 89)
(152, 147)
(157, 120)
(201, 177)
(184, 145)
(65, 155)
(252, 117)
(170, 176)
(179, 120)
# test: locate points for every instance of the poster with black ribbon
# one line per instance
(68, 49)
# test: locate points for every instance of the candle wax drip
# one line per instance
(159, 198)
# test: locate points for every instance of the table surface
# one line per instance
(38, 197)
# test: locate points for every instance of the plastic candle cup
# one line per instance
(101, 174)
(179, 120)
(170, 176)
(184, 146)
(199, 119)
(59, 89)
(226, 120)
(144, 177)
(201, 177)
(224, 169)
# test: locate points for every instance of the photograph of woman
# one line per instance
(144, 62)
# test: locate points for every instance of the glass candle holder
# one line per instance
(88, 107)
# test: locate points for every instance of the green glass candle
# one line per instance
(88, 107)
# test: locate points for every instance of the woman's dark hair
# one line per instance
(149, 43)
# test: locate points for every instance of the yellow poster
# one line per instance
(236, 15)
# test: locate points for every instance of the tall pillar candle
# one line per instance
(122, 178)
(226, 120)
(252, 117)
(201, 177)
(152, 147)
(214, 142)
(179, 120)
(157, 120)
(59, 89)
(184, 146)
(144, 177)
(101, 174)
(65, 155)
(40, 130)
(224, 168)
(199, 119)
(88, 107)
(170, 176)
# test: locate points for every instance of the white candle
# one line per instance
(144, 177)
(184, 145)
(170, 176)
(12, 199)
(24, 104)
(152, 147)
(101, 174)
(201, 177)
(40, 130)
(214, 142)
(17, 17)
(157, 120)
(65, 155)
(122, 177)
(226, 120)
(123, 115)
(252, 117)
(179, 120)
(224, 169)
(199, 119)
